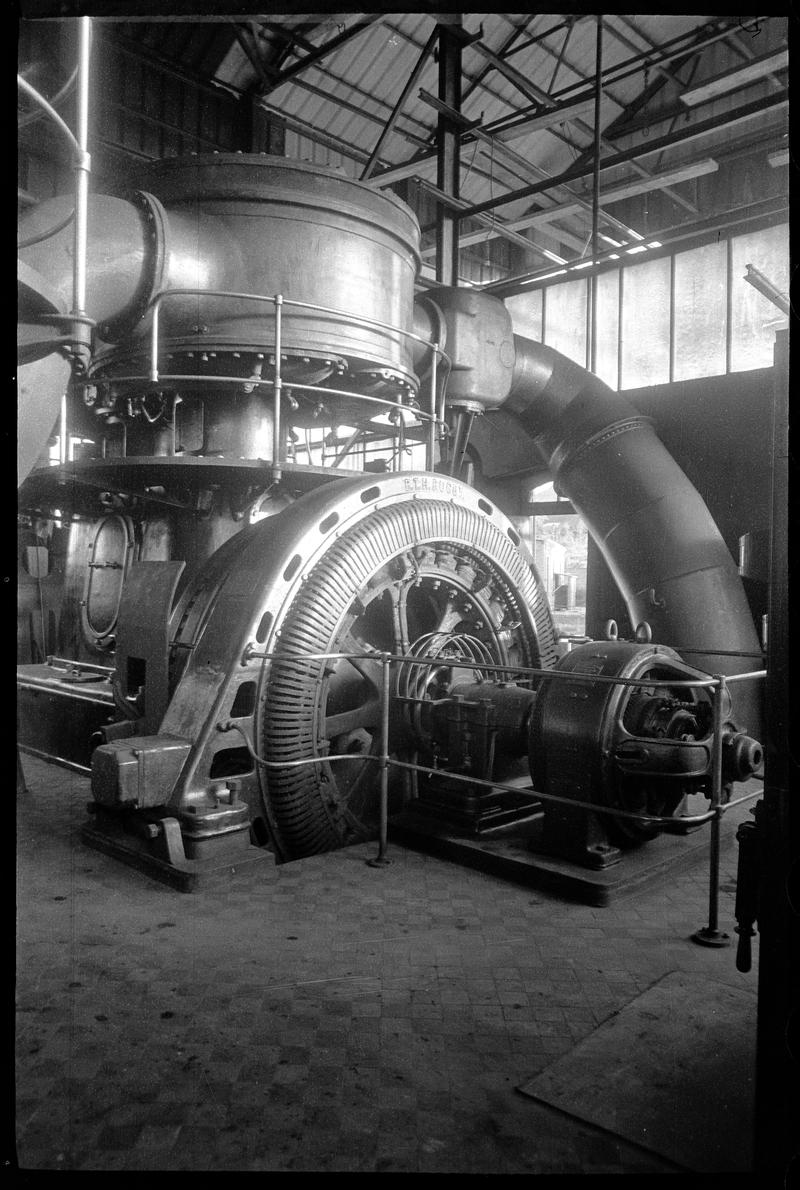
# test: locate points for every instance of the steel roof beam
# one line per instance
(607, 142)
(682, 56)
(561, 53)
(623, 39)
(253, 55)
(365, 95)
(324, 50)
(494, 225)
(747, 51)
(571, 20)
(413, 78)
(504, 49)
(533, 123)
(630, 67)
(701, 128)
(346, 105)
(769, 209)
(465, 77)
(517, 163)
(326, 139)
(529, 90)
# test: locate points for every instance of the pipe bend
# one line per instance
(117, 255)
(649, 522)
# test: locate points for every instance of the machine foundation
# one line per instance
(156, 845)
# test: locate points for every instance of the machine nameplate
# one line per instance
(432, 483)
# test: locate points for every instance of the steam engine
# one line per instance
(274, 500)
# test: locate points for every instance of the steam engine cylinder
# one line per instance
(260, 225)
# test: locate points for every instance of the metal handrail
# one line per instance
(707, 935)
(435, 417)
(214, 379)
(279, 301)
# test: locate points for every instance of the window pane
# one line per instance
(645, 324)
(700, 311)
(608, 327)
(526, 314)
(565, 319)
(559, 546)
(754, 317)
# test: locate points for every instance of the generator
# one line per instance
(279, 564)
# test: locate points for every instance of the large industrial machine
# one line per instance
(268, 539)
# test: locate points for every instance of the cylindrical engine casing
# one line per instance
(288, 228)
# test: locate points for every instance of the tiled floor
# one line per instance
(323, 1016)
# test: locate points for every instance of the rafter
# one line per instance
(623, 39)
(748, 111)
(411, 82)
(504, 49)
(466, 78)
(324, 50)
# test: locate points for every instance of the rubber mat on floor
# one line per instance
(673, 1071)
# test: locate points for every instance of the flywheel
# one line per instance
(419, 566)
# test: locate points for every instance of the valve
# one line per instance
(741, 756)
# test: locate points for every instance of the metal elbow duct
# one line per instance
(652, 526)
(117, 260)
(134, 248)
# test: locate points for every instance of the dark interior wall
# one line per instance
(139, 109)
(719, 431)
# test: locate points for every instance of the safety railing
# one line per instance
(717, 685)
(434, 415)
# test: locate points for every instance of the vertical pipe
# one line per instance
(82, 169)
(672, 318)
(710, 935)
(620, 309)
(276, 421)
(729, 304)
(592, 294)
(380, 860)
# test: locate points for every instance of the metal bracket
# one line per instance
(142, 633)
(444, 109)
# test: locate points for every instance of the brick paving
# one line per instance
(327, 1016)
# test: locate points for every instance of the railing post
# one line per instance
(711, 935)
(278, 384)
(154, 339)
(431, 461)
(380, 860)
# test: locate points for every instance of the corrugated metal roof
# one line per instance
(348, 94)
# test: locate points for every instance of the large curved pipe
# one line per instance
(651, 525)
(133, 249)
